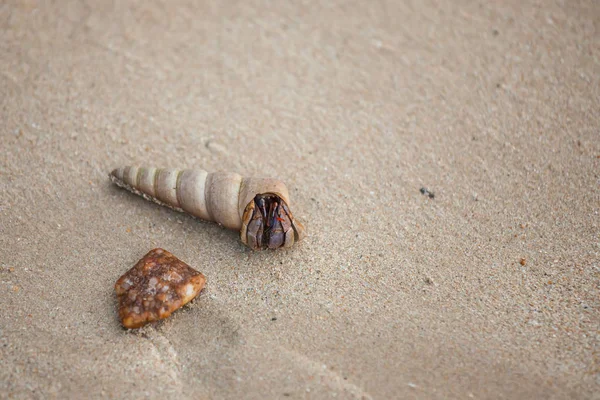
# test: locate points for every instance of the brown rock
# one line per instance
(157, 285)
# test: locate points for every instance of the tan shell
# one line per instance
(221, 197)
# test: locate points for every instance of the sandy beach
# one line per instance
(483, 285)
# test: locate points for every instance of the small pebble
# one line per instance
(215, 147)
(427, 192)
(155, 287)
(522, 261)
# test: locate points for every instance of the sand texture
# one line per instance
(488, 290)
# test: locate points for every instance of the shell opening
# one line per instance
(269, 224)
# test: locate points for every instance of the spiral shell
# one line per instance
(258, 207)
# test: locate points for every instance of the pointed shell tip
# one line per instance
(116, 173)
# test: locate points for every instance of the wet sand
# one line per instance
(490, 289)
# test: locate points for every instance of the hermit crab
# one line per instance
(258, 207)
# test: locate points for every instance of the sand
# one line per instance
(495, 108)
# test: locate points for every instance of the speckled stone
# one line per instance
(155, 287)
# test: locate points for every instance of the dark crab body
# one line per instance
(270, 223)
